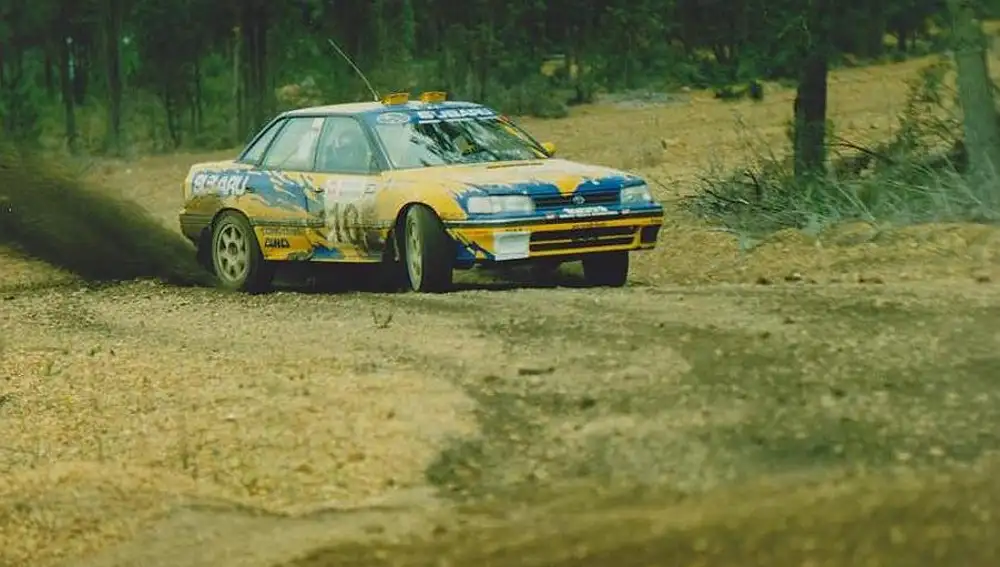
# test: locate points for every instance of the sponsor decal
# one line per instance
(592, 211)
(347, 204)
(276, 242)
(283, 231)
(344, 190)
(455, 114)
(226, 184)
(393, 118)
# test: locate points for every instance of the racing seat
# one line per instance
(350, 153)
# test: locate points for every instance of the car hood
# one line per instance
(537, 177)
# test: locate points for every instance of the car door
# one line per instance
(346, 180)
(282, 190)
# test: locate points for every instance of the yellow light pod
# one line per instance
(434, 96)
(396, 98)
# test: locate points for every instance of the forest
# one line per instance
(107, 76)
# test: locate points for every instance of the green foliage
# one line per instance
(914, 177)
(535, 98)
(20, 103)
(199, 73)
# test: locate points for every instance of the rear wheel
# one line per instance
(428, 251)
(236, 256)
(606, 269)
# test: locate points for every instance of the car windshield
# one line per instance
(417, 142)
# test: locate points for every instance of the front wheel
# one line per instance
(428, 251)
(236, 257)
(606, 269)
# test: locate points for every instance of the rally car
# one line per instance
(418, 187)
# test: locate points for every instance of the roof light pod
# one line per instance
(396, 98)
(434, 96)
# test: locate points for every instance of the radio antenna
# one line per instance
(355, 67)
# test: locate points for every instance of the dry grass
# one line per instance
(149, 414)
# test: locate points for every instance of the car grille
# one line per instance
(552, 240)
(590, 199)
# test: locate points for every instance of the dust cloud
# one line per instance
(48, 213)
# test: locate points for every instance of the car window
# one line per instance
(254, 153)
(295, 145)
(419, 142)
(344, 147)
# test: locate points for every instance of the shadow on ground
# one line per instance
(808, 384)
(946, 519)
(343, 278)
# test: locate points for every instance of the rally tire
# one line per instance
(427, 250)
(237, 260)
(606, 269)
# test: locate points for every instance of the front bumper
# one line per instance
(502, 240)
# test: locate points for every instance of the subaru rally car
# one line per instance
(420, 188)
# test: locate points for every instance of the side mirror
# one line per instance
(550, 148)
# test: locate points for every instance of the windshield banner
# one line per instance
(440, 115)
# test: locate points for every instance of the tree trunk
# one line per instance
(810, 98)
(80, 58)
(874, 31)
(197, 98)
(113, 69)
(50, 80)
(254, 65)
(172, 115)
(68, 100)
(982, 134)
(238, 95)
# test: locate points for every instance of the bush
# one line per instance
(19, 111)
(915, 177)
(534, 97)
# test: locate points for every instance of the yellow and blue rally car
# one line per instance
(420, 187)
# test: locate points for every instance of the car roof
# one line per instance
(355, 108)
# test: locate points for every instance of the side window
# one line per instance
(344, 148)
(295, 146)
(254, 153)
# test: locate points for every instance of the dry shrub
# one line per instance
(916, 177)
(299, 95)
(50, 214)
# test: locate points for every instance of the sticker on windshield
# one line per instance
(393, 118)
(455, 114)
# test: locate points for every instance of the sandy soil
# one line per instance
(727, 394)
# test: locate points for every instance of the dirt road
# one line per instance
(150, 425)
(125, 406)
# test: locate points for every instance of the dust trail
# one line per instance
(50, 214)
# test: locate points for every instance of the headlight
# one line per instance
(481, 205)
(637, 195)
